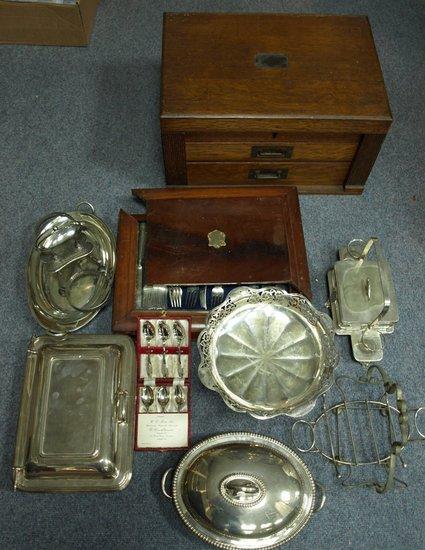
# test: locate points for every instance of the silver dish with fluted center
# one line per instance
(267, 352)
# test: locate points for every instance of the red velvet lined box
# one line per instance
(157, 424)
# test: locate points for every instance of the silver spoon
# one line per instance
(179, 397)
(164, 334)
(179, 335)
(149, 334)
(146, 397)
(203, 297)
(163, 397)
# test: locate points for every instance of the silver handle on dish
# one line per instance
(121, 406)
(89, 204)
(322, 491)
(242, 489)
(360, 258)
(310, 426)
(384, 282)
(77, 257)
(164, 482)
(374, 241)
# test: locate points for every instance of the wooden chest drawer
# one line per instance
(295, 149)
(307, 174)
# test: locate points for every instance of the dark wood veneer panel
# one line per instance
(324, 150)
(125, 273)
(173, 147)
(363, 162)
(210, 67)
(314, 174)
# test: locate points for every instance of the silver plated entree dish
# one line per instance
(243, 490)
(267, 352)
(76, 424)
(362, 298)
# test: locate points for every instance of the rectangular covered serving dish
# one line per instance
(76, 424)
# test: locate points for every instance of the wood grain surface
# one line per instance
(324, 102)
(265, 243)
(238, 173)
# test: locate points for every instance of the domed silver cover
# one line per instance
(267, 352)
(243, 490)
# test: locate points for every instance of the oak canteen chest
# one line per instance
(294, 100)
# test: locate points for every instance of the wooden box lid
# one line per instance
(261, 236)
(218, 66)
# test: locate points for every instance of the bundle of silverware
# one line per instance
(182, 297)
(192, 297)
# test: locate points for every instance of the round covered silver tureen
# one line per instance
(267, 352)
(243, 490)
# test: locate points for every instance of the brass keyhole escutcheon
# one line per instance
(216, 239)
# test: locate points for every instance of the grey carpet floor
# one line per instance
(83, 124)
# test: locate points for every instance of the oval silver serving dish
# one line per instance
(243, 491)
(65, 294)
(267, 352)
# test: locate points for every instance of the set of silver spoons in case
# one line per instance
(163, 399)
(174, 335)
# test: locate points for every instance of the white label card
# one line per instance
(163, 430)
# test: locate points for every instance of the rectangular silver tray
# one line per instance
(76, 424)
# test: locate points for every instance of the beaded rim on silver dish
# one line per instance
(234, 437)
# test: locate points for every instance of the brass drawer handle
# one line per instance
(267, 152)
(268, 174)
